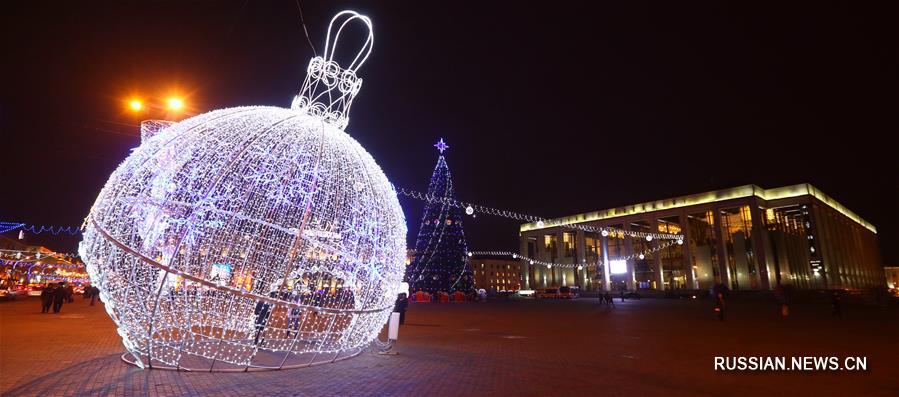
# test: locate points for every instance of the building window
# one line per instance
(736, 228)
(644, 269)
(569, 246)
(674, 269)
(703, 248)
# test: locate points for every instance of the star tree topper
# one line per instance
(441, 146)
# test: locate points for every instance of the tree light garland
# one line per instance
(254, 237)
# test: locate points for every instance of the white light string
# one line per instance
(532, 261)
(471, 208)
(37, 255)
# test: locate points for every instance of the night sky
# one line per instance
(549, 109)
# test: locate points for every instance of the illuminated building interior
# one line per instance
(747, 237)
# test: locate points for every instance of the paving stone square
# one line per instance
(642, 347)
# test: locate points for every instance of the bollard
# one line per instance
(393, 330)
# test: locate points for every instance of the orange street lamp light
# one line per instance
(175, 103)
(135, 105)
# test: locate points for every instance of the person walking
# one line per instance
(400, 307)
(294, 314)
(70, 293)
(719, 306)
(720, 291)
(46, 299)
(836, 304)
(95, 294)
(609, 300)
(263, 311)
(293, 321)
(622, 295)
(59, 297)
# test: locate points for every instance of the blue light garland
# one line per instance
(38, 229)
(4, 262)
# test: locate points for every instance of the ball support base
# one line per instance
(129, 358)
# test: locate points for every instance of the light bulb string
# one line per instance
(534, 219)
(534, 261)
(37, 229)
(470, 208)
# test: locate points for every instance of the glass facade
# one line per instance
(615, 245)
(592, 279)
(549, 242)
(672, 258)
(788, 246)
(703, 246)
(750, 242)
(645, 267)
(568, 245)
(736, 228)
(531, 277)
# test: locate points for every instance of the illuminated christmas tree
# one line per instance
(441, 259)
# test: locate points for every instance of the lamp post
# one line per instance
(171, 107)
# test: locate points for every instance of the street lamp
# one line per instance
(175, 103)
(135, 105)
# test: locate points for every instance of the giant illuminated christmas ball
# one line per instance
(251, 237)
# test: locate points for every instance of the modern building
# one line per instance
(747, 237)
(496, 273)
(892, 276)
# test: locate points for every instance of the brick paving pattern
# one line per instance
(502, 348)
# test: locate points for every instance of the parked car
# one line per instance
(10, 293)
(35, 290)
(569, 292)
(547, 293)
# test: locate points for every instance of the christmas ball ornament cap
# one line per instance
(329, 89)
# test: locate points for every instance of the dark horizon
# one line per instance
(547, 111)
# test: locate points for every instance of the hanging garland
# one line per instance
(471, 209)
(637, 255)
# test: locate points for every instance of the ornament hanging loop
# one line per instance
(329, 89)
(330, 47)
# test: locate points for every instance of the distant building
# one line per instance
(747, 237)
(22, 264)
(892, 276)
(410, 255)
(500, 274)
